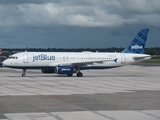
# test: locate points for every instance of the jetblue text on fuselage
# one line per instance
(43, 57)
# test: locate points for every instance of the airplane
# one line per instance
(2, 58)
(73, 62)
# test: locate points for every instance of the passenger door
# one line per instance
(25, 58)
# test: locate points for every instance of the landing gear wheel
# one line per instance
(79, 74)
(23, 75)
(69, 75)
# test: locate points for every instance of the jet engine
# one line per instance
(48, 70)
(65, 70)
(60, 70)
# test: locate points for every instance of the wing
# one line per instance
(81, 63)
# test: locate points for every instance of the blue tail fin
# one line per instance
(137, 45)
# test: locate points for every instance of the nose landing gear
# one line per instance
(24, 73)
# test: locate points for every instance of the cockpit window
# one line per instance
(13, 57)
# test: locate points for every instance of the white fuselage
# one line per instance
(39, 60)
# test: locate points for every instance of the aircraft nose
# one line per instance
(5, 63)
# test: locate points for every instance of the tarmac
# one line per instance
(127, 93)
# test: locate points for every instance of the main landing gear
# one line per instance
(24, 73)
(79, 74)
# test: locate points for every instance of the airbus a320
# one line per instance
(74, 62)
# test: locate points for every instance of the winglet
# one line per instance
(137, 45)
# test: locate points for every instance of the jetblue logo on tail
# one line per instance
(136, 47)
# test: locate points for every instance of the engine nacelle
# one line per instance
(49, 70)
(65, 70)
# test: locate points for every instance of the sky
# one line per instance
(77, 23)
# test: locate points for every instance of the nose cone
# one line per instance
(5, 63)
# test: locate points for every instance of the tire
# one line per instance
(23, 75)
(79, 74)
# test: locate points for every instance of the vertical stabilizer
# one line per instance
(137, 45)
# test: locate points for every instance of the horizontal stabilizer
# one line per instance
(142, 58)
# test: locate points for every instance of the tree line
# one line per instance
(9, 51)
